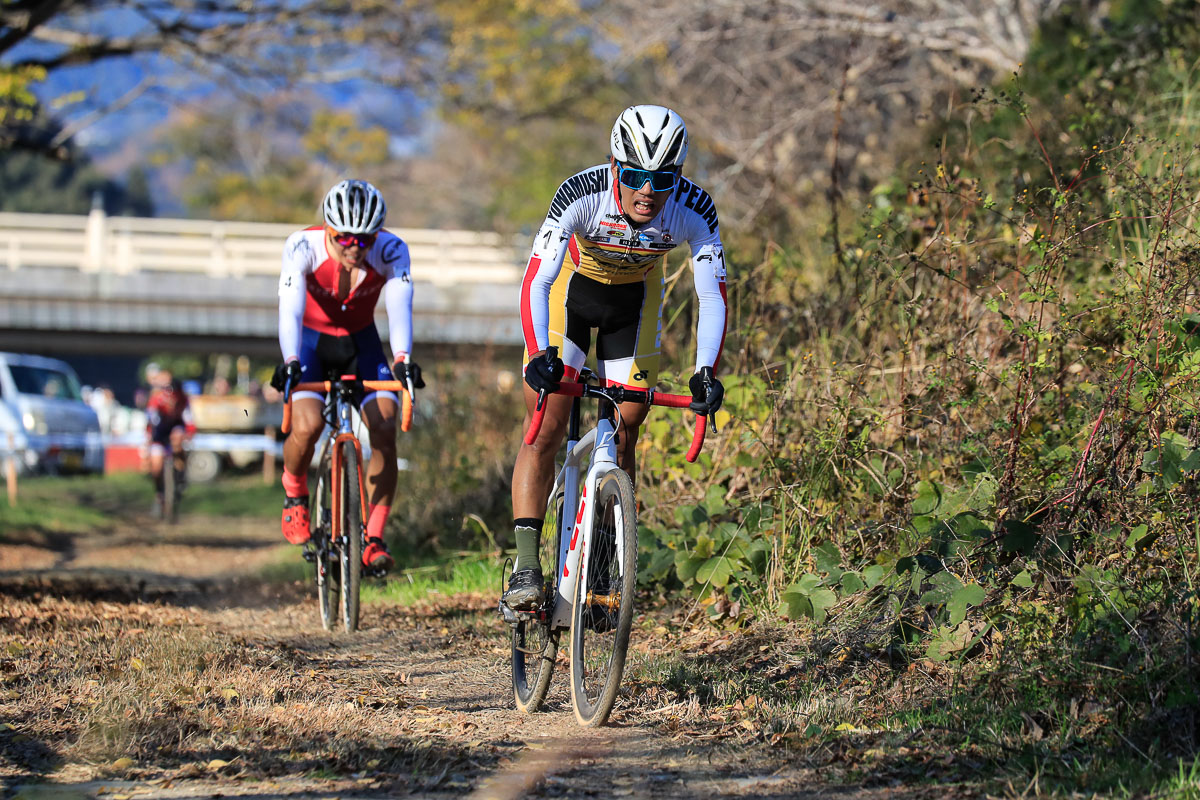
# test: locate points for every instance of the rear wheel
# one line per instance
(603, 609)
(351, 544)
(327, 563)
(534, 645)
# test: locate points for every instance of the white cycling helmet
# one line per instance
(354, 207)
(649, 137)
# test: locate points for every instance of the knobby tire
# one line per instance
(328, 564)
(600, 636)
(352, 536)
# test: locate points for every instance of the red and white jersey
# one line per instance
(308, 291)
(168, 407)
(587, 228)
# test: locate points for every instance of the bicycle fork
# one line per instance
(575, 541)
(346, 435)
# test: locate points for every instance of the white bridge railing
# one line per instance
(97, 243)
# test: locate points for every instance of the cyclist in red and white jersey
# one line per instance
(332, 278)
(597, 263)
(169, 423)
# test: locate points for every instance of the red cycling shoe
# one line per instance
(376, 555)
(295, 520)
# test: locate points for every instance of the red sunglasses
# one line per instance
(363, 240)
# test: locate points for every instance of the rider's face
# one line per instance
(350, 256)
(642, 204)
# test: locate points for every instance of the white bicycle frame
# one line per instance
(575, 522)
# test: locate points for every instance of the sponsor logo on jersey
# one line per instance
(300, 247)
(697, 200)
(592, 182)
(392, 250)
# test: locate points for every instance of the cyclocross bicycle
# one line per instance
(338, 509)
(596, 540)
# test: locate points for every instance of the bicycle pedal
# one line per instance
(508, 615)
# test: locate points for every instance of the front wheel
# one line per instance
(351, 535)
(603, 608)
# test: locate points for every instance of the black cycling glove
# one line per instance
(544, 372)
(707, 392)
(409, 370)
(285, 372)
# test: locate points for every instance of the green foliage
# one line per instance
(40, 183)
(972, 421)
(242, 166)
(455, 493)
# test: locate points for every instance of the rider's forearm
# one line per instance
(398, 297)
(291, 319)
(708, 271)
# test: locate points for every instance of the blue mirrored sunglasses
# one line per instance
(660, 180)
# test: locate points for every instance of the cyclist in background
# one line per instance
(169, 424)
(333, 275)
(611, 225)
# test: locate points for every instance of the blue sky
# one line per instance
(149, 87)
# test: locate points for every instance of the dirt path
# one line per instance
(150, 663)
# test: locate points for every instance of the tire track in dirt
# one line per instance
(416, 704)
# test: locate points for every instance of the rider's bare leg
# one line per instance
(155, 465)
(632, 417)
(533, 473)
(380, 416)
(177, 449)
(307, 424)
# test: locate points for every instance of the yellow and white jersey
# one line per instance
(587, 231)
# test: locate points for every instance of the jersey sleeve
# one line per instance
(396, 268)
(545, 262)
(293, 292)
(708, 273)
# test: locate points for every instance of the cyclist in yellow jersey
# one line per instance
(597, 263)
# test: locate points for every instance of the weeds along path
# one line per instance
(152, 662)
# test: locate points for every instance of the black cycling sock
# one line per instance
(528, 532)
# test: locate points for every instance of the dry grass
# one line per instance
(145, 690)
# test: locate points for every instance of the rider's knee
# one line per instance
(307, 429)
(549, 439)
(383, 436)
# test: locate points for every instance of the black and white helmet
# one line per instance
(649, 137)
(354, 207)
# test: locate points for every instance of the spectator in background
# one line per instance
(104, 403)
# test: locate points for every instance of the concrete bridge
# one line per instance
(126, 285)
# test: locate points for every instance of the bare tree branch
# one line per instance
(757, 80)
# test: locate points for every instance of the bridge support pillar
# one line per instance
(94, 236)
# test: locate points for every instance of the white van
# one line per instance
(43, 418)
